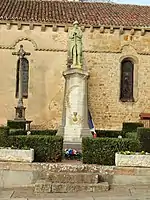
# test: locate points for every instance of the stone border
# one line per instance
(135, 160)
(66, 26)
(29, 173)
(35, 46)
(73, 168)
(18, 155)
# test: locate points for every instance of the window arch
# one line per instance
(25, 77)
(127, 76)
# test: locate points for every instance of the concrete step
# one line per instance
(71, 177)
(48, 187)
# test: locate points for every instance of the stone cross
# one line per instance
(21, 53)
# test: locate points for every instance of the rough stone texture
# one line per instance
(72, 177)
(125, 170)
(17, 155)
(132, 160)
(131, 180)
(56, 167)
(102, 56)
(41, 187)
(27, 174)
(100, 187)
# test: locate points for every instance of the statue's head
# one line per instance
(75, 24)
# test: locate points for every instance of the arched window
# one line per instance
(25, 78)
(126, 87)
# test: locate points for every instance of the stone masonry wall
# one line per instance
(103, 53)
(29, 173)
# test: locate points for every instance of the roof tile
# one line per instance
(67, 12)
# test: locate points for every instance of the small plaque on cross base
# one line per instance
(20, 113)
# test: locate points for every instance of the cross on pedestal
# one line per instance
(20, 109)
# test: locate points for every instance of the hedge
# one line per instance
(46, 148)
(131, 126)
(109, 133)
(16, 124)
(102, 150)
(131, 135)
(144, 138)
(4, 131)
(33, 132)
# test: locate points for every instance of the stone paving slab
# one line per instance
(98, 198)
(66, 198)
(120, 194)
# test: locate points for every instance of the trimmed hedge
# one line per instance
(102, 150)
(109, 133)
(132, 135)
(4, 131)
(16, 124)
(131, 126)
(46, 148)
(144, 138)
(33, 132)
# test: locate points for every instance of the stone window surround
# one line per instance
(135, 61)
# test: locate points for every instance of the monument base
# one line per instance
(72, 145)
(19, 124)
(74, 125)
(73, 134)
(20, 113)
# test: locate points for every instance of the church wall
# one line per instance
(44, 103)
(103, 53)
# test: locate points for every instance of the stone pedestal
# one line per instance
(75, 111)
(20, 113)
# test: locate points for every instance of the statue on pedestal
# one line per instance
(75, 47)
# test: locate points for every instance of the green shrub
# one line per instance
(131, 135)
(102, 150)
(44, 132)
(4, 131)
(144, 138)
(131, 126)
(17, 132)
(33, 132)
(16, 124)
(109, 133)
(46, 148)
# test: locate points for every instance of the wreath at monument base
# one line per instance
(72, 154)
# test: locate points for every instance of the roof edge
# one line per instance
(66, 26)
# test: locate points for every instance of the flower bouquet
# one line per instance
(72, 154)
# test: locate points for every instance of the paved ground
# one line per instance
(117, 194)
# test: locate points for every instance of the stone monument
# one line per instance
(20, 109)
(74, 123)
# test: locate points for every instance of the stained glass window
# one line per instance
(126, 89)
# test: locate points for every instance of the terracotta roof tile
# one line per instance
(68, 12)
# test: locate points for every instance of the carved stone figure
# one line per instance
(75, 47)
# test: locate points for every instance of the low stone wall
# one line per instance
(14, 174)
